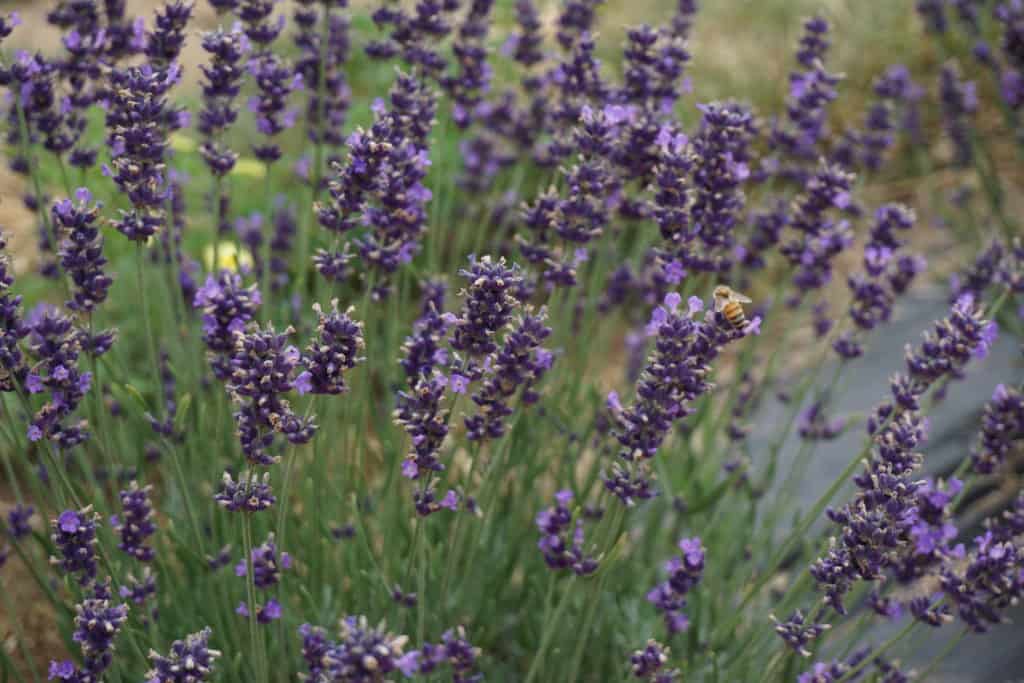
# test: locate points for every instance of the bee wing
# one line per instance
(720, 303)
(739, 298)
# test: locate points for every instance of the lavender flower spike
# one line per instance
(335, 351)
(74, 534)
(190, 661)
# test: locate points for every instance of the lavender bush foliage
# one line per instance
(427, 336)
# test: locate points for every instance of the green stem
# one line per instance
(255, 642)
(550, 628)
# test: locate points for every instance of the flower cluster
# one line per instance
(721, 157)
(811, 90)
(886, 516)
(18, 519)
(136, 122)
(676, 374)
(227, 308)
(267, 565)
(647, 664)
(992, 579)
(55, 344)
(361, 652)
(97, 623)
(798, 632)
(12, 327)
(263, 369)
(887, 273)
(74, 535)
(81, 250)
(517, 366)
(684, 573)
(821, 237)
(1002, 425)
(190, 660)
(959, 103)
(334, 351)
(414, 35)
(221, 86)
(559, 549)
(584, 213)
(380, 186)
(135, 524)
(323, 39)
(454, 650)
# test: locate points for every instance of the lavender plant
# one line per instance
(414, 371)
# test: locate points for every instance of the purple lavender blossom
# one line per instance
(360, 653)
(221, 86)
(334, 351)
(18, 521)
(74, 534)
(425, 347)
(190, 661)
(683, 19)
(1002, 425)
(263, 369)
(97, 623)
(135, 523)
(837, 670)
(517, 367)
(721, 165)
(653, 68)
(421, 414)
(267, 564)
(992, 580)
(933, 14)
(811, 90)
(275, 81)
(576, 21)
(380, 186)
(227, 308)
(258, 21)
(797, 633)
(561, 543)
(248, 494)
(165, 42)
(56, 345)
(322, 65)
(684, 573)
(885, 515)
(455, 650)
(647, 663)
(815, 425)
(13, 370)
(137, 138)
(976, 278)
(676, 374)
(959, 102)
(140, 590)
(470, 82)
(414, 35)
(489, 304)
(821, 237)
(526, 43)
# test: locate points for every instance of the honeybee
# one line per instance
(730, 304)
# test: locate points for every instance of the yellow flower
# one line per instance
(250, 168)
(182, 143)
(229, 257)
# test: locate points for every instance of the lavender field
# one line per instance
(524, 340)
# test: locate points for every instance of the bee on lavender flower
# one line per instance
(729, 303)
